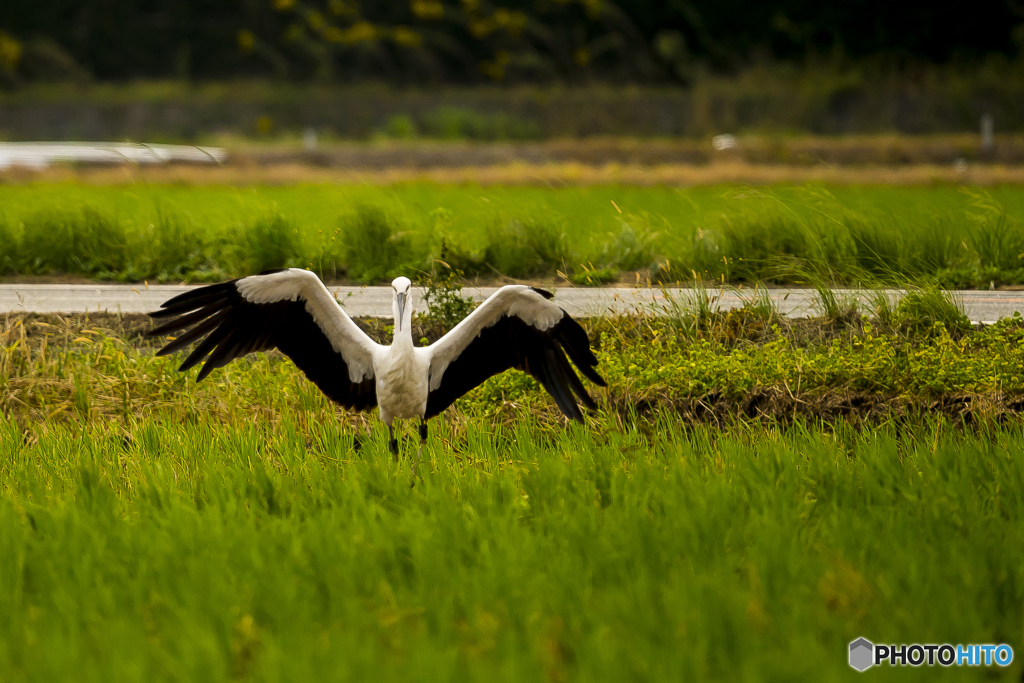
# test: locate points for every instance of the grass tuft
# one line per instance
(924, 310)
(85, 241)
(837, 236)
(374, 249)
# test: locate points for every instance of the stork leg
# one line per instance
(423, 441)
(393, 443)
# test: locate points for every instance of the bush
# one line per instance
(456, 123)
(445, 305)
(919, 312)
(400, 126)
(176, 248)
(84, 241)
(270, 241)
(531, 247)
(373, 250)
(9, 248)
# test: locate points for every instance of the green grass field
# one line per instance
(153, 529)
(156, 550)
(753, 493)
(953, 236)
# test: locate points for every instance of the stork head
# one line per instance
(402, 287)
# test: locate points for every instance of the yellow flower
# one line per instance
(246, 41)
(480, 28)
(364, 31)
(283, 4)
(427, 9)
(405, 36)
(10, 52)
(491, 70)
(339, 7)
(315, 20)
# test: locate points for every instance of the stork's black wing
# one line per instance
(512, 342)
(231, 325)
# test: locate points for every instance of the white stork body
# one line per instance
(402, 371)
(518, 327)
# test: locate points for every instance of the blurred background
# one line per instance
(308, 73)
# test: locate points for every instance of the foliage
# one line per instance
(447, 41)
(373, 249)
(690, 355)
(234, 524)
(83, 241)
(445, 305)
(576, 553)
(923, 310)
(591, 276)
(458, 123)
(776, 235)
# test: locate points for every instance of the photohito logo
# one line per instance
(864, 654)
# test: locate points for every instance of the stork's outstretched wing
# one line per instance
(516, 328)
(286, 309)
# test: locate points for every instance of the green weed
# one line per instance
(838, 236)
(374, 250)
(442, 298)
(271, 241)
(456, 123)
(86, 241)
(10, 259)
(923, 310)
(160, 551)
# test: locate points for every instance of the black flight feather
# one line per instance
(231, 327)
(513, 343)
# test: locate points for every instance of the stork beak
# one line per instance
(400, 298)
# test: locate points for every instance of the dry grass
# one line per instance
(556, 175)
(861, 159)
(730, 368)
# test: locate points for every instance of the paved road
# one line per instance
(981, 306)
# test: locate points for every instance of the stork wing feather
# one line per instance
(290, 310)
(516, 328)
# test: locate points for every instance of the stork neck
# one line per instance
(403, 324)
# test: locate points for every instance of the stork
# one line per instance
(291, 310)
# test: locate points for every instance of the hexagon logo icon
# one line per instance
(862, 654)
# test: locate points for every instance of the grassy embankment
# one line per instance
(779, 234)
(900, 362)
(152, 529)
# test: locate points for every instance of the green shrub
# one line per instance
(590, 276)
(630, 249)
(373, 250)
(400, 126)
(10, 258)
(521, 248)
(456, 123)
(270, 241)
(442, 298)
(85, 242)
(921, 311)
(177, 249)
